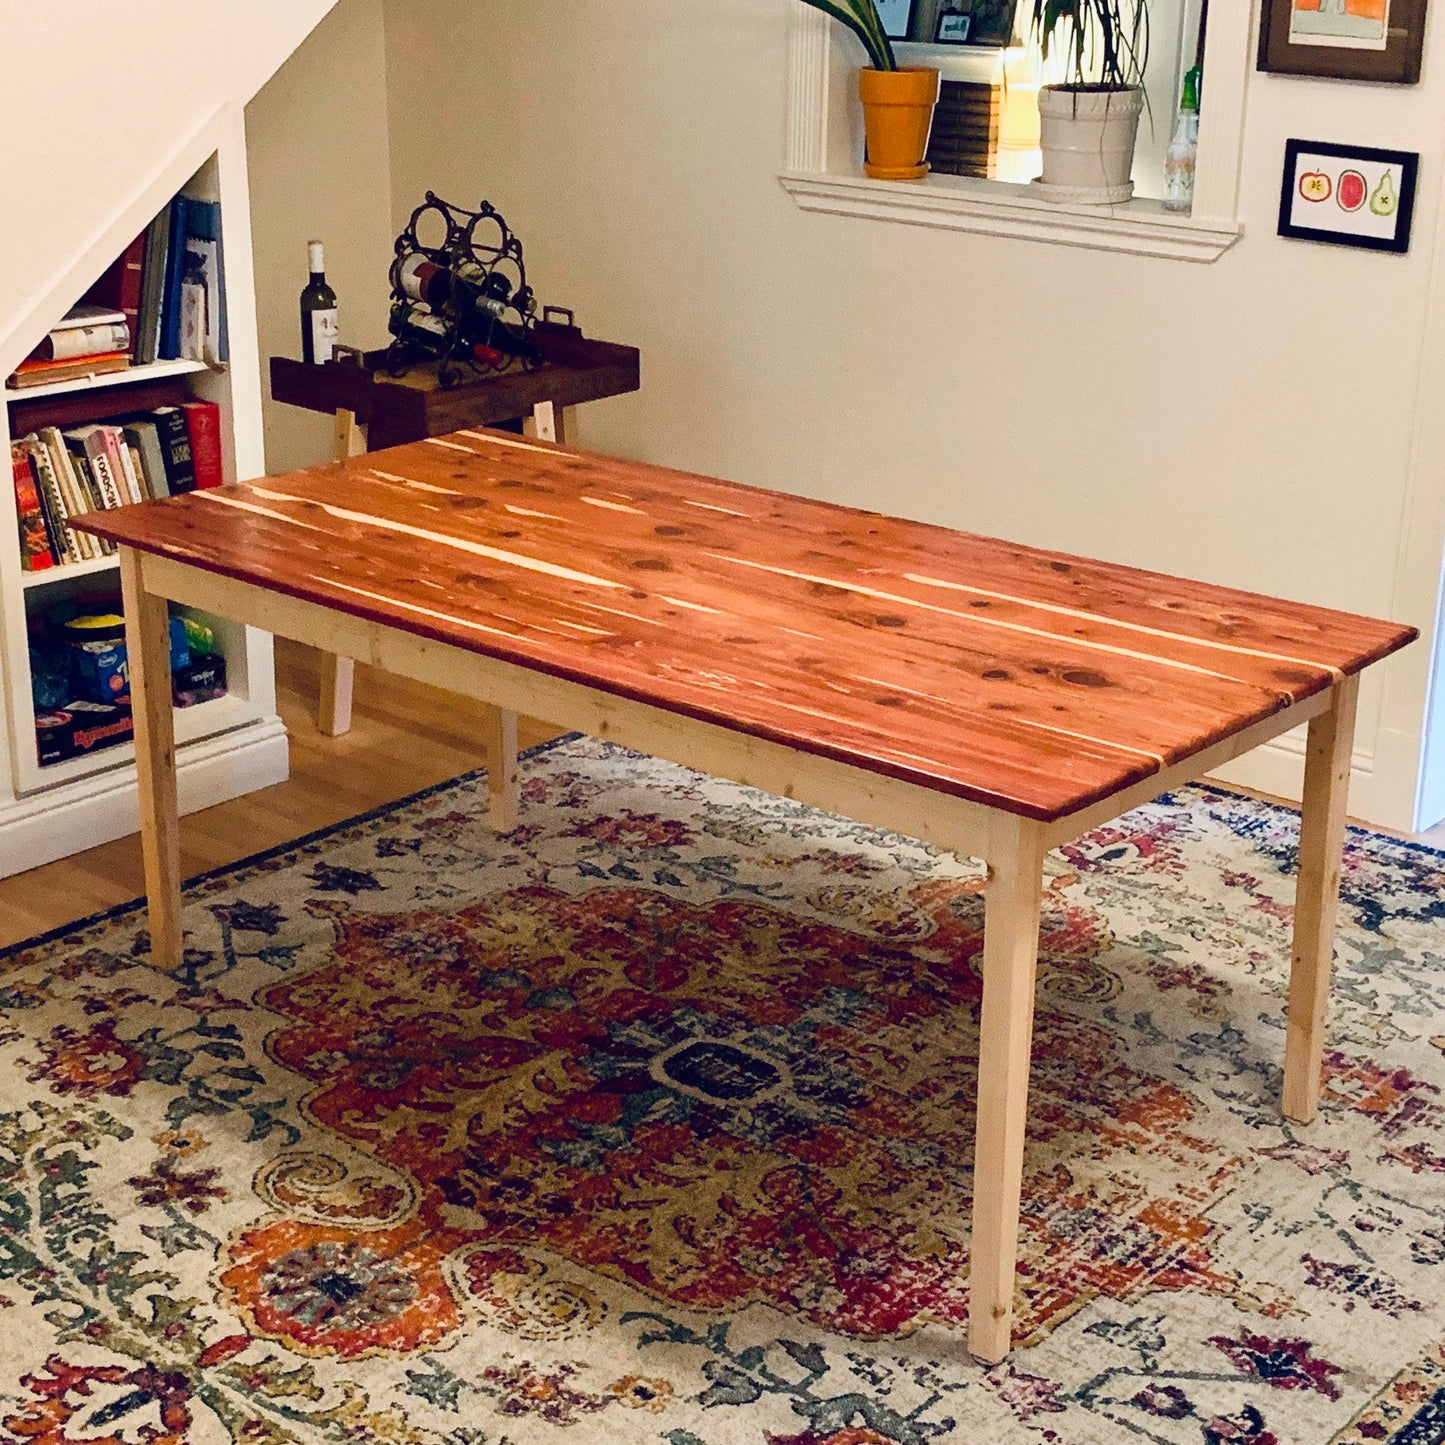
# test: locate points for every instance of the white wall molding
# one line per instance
(1278, 769)
(993, 208)
(1412, 728)
(823, 174)
(68, 819)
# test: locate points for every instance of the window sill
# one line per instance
(995, 208)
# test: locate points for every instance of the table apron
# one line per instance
(954, 824)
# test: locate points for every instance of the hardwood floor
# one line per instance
(404, 737)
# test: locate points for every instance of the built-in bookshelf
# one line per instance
(227, 745)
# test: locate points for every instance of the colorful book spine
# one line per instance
(122, 464)
(203, 220)
(120, 286)
(35, 554)
(170, 330)
(153, 276)
(175, 448)
(143, 434)
(203, 423)
(57, 488)
(88, 452)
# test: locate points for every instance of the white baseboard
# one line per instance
(97, 809)
(1278, 769)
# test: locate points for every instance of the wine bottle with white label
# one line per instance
(318, 311)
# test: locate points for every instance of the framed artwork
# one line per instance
(1344, 39)
(1348, 195)
(990, 23)
(953, 27)
(896, 16)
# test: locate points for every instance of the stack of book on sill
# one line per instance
(964, 139)
(162, 300)
(62, 474)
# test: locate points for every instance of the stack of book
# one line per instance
(164, 299)
(964, 140)
(90, 340)
(62, 474)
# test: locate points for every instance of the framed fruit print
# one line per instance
(1344, 39)
(1348, 195)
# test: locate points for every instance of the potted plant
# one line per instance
(1090, 121)
(898, 100)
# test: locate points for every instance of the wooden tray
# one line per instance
(407, 408)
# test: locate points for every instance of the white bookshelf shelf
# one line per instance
(89, 568)
(156, 371)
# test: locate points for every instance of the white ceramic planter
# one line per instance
(1088, 138)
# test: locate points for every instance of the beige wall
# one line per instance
(1248, 421)
(318, 158)
(98, 99)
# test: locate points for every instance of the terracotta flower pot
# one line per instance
(897, 116)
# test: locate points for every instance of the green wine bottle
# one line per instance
(318, 311)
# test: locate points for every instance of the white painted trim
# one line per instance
(822, 172)
(62, 821)
(956, 203)
(1411, 736)
(1278, 767)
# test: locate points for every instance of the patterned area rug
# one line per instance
(651, 1122)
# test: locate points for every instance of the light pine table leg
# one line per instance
(547, 423)
(1317, 894)
(1010, 961)
(333, 706)
(148, 653)
(500, 737)
(333, 712)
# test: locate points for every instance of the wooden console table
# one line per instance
(989, 698)
(375, 410)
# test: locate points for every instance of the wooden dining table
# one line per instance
(989, 698)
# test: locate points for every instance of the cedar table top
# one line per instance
(1030, 681)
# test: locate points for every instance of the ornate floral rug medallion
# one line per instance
(652, 1122)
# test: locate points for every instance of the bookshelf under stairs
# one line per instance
(226, 746)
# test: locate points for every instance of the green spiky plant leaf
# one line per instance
(1107, 40)
(861, 17)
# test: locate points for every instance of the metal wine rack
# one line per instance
(484, 258)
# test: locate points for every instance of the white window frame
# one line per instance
(822, 170)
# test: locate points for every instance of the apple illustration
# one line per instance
(1315, 186)
(1352, 191)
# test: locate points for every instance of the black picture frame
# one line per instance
(890, 11)
(952, 20)
(1408, 162)
(1397, 64)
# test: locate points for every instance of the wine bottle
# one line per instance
(420, 328)
(424, 280)
(318, 311)
(471, 288)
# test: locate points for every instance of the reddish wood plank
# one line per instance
(1029, 680)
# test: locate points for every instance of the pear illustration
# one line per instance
(1385, 198)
